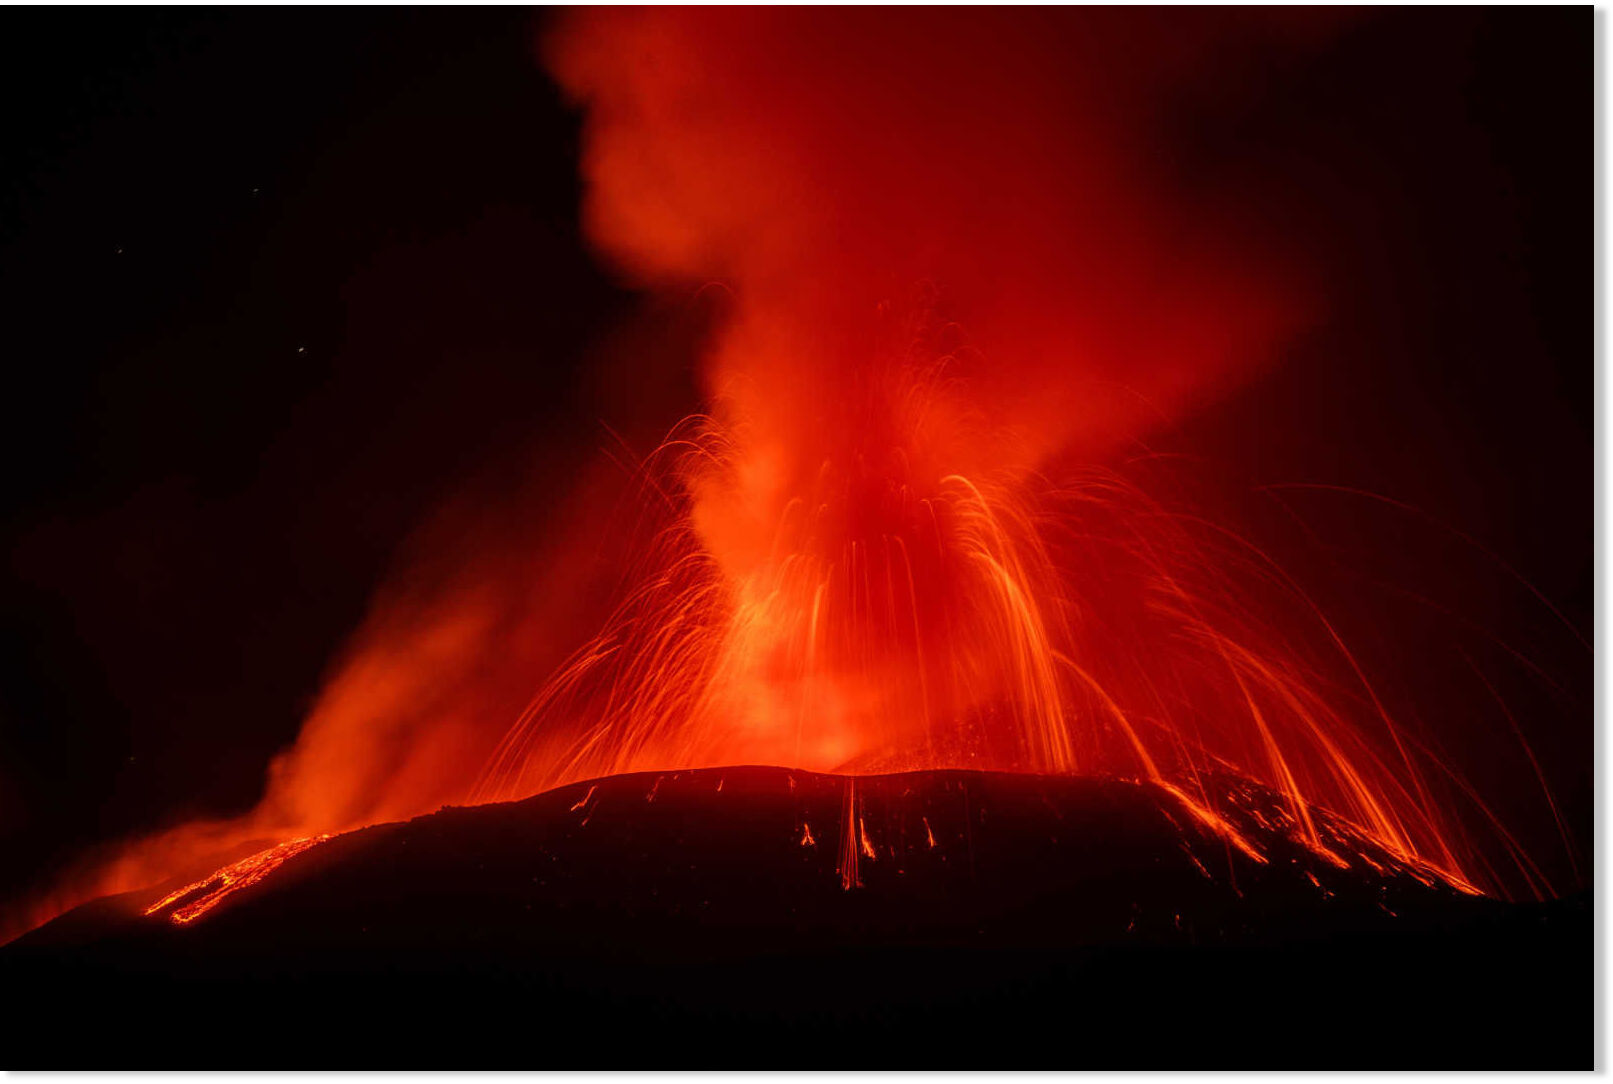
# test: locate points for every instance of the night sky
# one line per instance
(277, 283)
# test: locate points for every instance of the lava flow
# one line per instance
(904, 535)
(197, 898)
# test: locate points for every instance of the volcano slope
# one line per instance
(763, 917)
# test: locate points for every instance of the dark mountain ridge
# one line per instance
(749, 915)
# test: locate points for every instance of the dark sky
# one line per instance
(273, 283)
(276, 282)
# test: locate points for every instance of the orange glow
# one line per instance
(850, 878)
(903, 534)
(895, 541)
(202, 896)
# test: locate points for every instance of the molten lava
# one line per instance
(197, 898)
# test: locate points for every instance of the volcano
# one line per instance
(730, 915)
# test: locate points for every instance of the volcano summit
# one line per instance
(717, 916)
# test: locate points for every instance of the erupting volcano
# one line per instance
(886, 612)
(911, 616)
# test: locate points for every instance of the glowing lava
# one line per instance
(202, 896)
(901, 619)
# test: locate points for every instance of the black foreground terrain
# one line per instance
(712, 919)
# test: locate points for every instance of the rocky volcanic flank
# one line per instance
(744, 915)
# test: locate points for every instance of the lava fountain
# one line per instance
(913, 603)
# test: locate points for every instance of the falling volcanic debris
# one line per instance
(963, 288)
